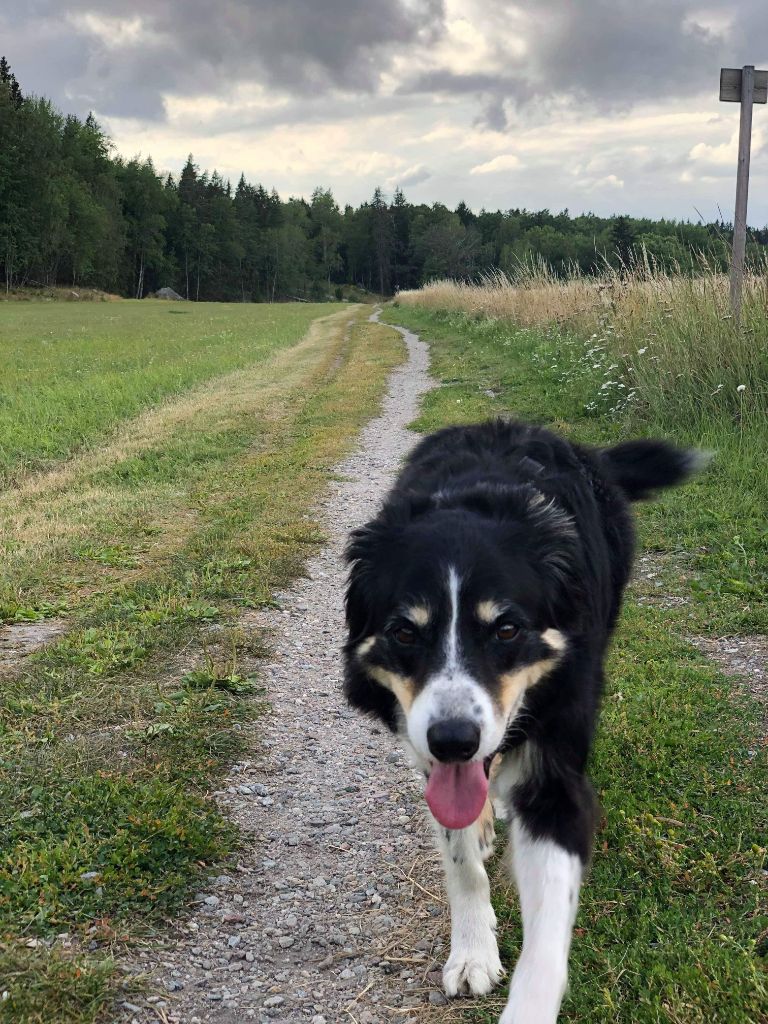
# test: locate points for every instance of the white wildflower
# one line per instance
(742, 387)
(642, 351)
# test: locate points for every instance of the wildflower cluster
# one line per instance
(593, 359)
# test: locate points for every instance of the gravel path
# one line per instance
(333, 913)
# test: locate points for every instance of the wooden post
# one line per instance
(745, 86)
(742, 189)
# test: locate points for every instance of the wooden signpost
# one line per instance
(745, 86)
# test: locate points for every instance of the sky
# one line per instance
(608, 106)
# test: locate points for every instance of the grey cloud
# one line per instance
(324, 109)
(413, 176)
(442, 80)
(606, 53)
(193, 47)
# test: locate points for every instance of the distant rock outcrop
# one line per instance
(168, 293)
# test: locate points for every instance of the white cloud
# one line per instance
(709, 20)
(505, 162)
(111, 31)
(723, 154)
(410, 177)
(609, 181)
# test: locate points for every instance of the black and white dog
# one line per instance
(480, 604)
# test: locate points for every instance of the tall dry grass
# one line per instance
(671, 335)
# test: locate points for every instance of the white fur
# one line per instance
(452, 636)
(473, 966)
(454, 696)
(548, 880)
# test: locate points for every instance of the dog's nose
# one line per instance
(453, 739)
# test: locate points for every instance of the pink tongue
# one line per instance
(456, 793)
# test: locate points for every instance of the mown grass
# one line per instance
(673, 924)
(111, 738)
(70, 373)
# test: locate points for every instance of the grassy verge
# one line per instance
(673, 924)
(112, 736)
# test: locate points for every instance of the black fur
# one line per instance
(526, 514)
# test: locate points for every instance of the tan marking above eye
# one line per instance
(401, 686)
(365, 646)
(488, 611)
(418, 614)
(555, 639)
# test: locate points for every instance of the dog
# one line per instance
(480, 603)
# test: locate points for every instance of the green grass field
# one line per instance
(70, 373)
(160, 463)
(673, 925)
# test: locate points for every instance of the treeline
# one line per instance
(73, 213)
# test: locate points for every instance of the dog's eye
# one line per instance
(404, 635)
(506, 631)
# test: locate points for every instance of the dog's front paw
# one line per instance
(473, 971)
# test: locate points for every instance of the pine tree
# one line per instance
(382, 230)
(8, 79)
(623, 240)
(326, 231)
(402, 256)
(188, 192)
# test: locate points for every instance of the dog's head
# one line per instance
(454, 611)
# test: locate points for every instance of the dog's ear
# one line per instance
(362, 543)
(360, 553)
(557, 549)
(360, 689)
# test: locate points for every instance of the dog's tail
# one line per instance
(641, 467)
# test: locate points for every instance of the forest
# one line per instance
(74, 213)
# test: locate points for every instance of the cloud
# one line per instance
(722, 155)
(190, 47)
(412, 176)
(608, 181)
(507, 57)
(607, 54)
(711, 161)
(505, 162)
